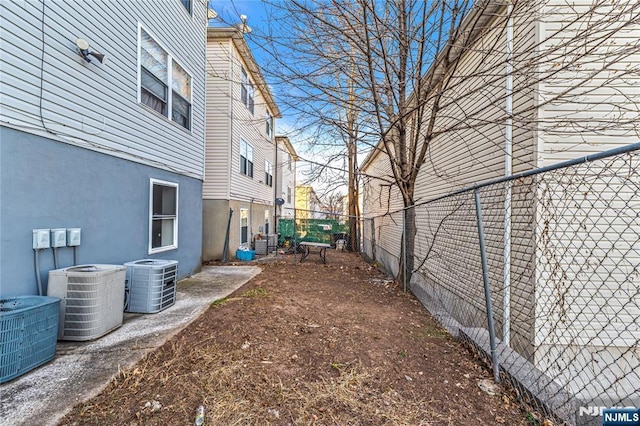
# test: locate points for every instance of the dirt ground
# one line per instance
(308, 344)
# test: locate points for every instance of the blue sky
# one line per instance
(230, 11)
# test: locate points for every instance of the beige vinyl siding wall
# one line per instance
(585, 215)
(218, 119)
(600, 107)
(470, 148)
(601, 114)
(525, 86)
(229, 121)
(382, 232)
(469, 151)
(522, 276)
(252, 129)
(101, 113)
(587, 260)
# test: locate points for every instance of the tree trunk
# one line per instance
(354, 242)
(407, 249)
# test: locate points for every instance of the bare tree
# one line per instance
(388, 75)
(353, 66)
(334, 206)
(319, 70)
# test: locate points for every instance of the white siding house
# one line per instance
(113, 145)
(286, 177)
(569, 100)
(238, 191)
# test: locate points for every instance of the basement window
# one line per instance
(163, 216)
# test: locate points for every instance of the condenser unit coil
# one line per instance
(261, 246)
(150, 285)
(273, 241)
(92, 300)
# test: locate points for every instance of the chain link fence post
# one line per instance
(404, 249)
(487, 290)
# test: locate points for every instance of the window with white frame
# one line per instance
(244, 226)
(266, 222)
(181, 96)
(156, 77)
(289, 160)
(246, 90)
(246, 158)
(289, 194)
(163, 212)
(268, 173)
(269, 124)
(154, 74)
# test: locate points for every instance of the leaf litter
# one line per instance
(307, 344)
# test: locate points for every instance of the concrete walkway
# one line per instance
(81, 370)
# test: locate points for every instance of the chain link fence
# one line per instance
(564, 308)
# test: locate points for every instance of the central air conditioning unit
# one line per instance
(266, 245)
(150, 285)
(261, 246)
(92, 300)
(273, 241)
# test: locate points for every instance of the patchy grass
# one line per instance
(255, 292)
(220, 302)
